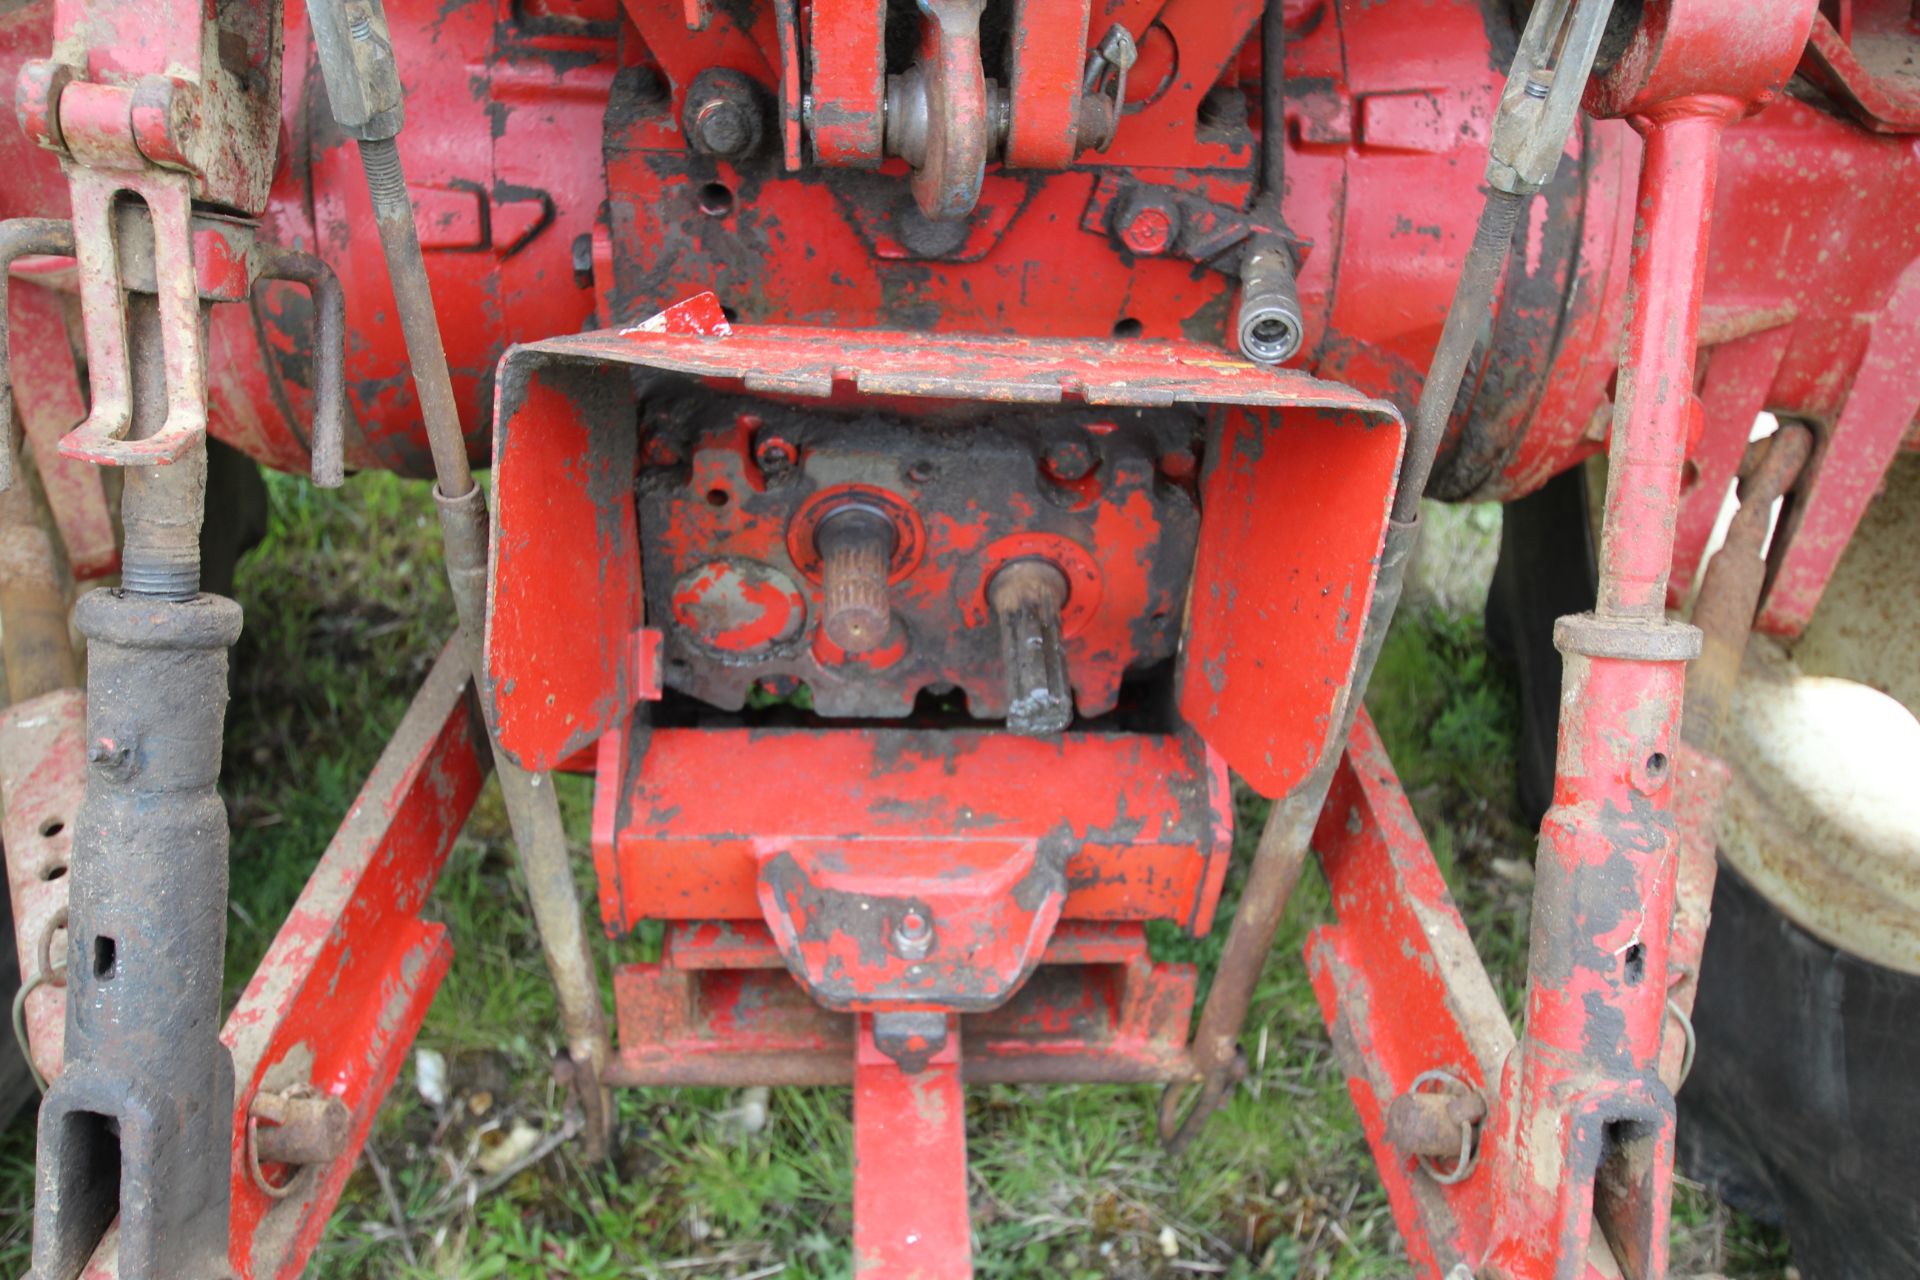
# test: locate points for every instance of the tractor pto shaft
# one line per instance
(1027, 597)
(363, 89)
(856, 552)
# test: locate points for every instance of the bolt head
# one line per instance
(1069, 460)
(913, 935)
(725, 128)
(776, 455)
(1148, 231)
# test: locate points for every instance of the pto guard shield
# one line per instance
(1294, 508)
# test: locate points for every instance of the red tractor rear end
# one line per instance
(934, 449)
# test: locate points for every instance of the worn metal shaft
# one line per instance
(1730, 589)
(856, 552)
(1026, 598)
(533, 811)
(20, 238)
(140, 1122)
(413, 299)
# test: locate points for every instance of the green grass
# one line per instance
(346, 607)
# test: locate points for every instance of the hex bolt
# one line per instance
(913, 935)
(1147, 222)
(856, 553)
(722, 116)
(775, 453)
(1027, 597)
(1068, 460)
(722, 127)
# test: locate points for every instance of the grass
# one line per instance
(346, 608)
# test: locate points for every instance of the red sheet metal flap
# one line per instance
(1293, 516)
(1145, 818)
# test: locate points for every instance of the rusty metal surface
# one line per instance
(1281, 588)
(1282, 591)
(847, 74)
(413, 302)
(161, 507)
(738, 496)
(1868, 624)
(50, 398)
(802, 361)
(297, 1128)
(567, 603)
(135, 1126)
(165, 86)
(173, 257)
(1730, 588)
(20, 238)
(1880, 404)
(936, 923)
(1048, 57)
(364, 71)
(1885, 99)
(1403, 993)
(105, 437)
(33, 602)
(1699, 803)
(1275, 871)
(1282, 850)
(1724, 612)
(1590, 1118)
(938, 111)
(343, 988)
(501, 221)
(1434, 1124)
(540, 839)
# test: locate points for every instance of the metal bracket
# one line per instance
(162, 246)
(1149, 220)
(1543, 91)
(866, 929)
